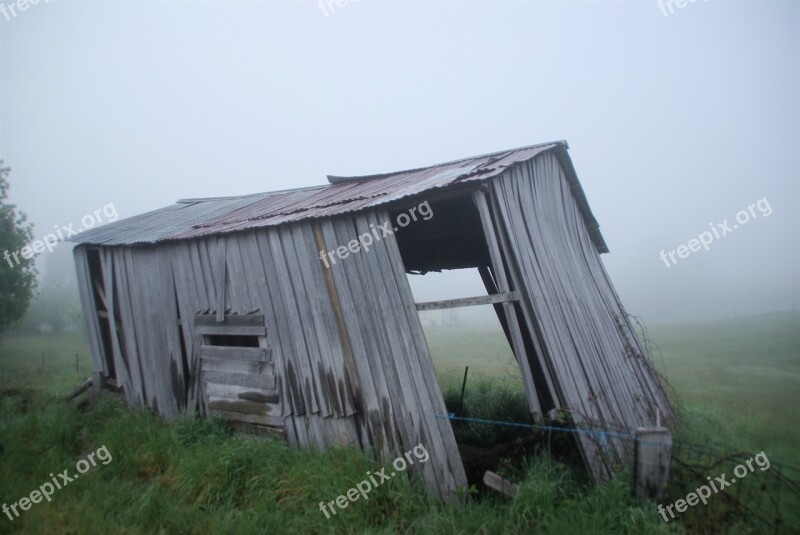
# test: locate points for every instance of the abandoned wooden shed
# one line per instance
(292, 310)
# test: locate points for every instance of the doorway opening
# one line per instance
(476, 334)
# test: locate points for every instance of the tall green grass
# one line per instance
(737, 382)
(488, 399)
(195, 476)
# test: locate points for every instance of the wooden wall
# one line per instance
(350, 359)
(592, 362)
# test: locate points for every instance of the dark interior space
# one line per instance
(451, 239)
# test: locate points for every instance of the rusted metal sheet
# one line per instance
(194, 218)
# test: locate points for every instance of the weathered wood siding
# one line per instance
(350, 362)
(396, 377)
(586, 348)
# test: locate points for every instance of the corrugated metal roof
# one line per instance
(192, 218)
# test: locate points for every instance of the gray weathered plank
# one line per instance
(231, 320)
(238, 366)
(243, 406)
(240, 379)
(230, 330)
(504, 486)
(469, 301)
(234, 353)
(264, 395)
(265, 419)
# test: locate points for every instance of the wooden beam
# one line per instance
(232, 320)
(469, 301)
(234, 353)
(501, 485)
(240, 379)
(251, 367)
(80, 389)
(261, 395)
(258, 419)
(233, 330)
(242, 406)
(499, 271)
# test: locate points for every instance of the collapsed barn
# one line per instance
(261, 310)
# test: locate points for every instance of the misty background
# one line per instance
(674, 122)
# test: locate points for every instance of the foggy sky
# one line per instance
(674, 122)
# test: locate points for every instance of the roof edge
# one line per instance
(334, 179)
(580, 197)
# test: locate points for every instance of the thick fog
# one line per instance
(679, 119)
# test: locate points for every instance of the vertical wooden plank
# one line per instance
(317, 350)
(373, 413)
(138, 379)
(239, 283)
(188, 305)
(287, 323)
(220, 277)
(271, 305)
(301, 362)
(347, 369)
(121, 368)
(499, 270)
(90, 318)
(450, 471)
(409, 398)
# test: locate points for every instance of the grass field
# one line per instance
(737, 382)
(46, 363)
(743, 373)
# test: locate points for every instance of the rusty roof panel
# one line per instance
(193, 218)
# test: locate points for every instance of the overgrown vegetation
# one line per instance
(194, 476)
(197, 477)
(487, 399)
(17, 274)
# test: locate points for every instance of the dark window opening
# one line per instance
(227, 340)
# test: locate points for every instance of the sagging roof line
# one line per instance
(196, 218)
(336, 179)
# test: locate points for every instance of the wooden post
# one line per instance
(501, 485)
(651, 462)
(463, 390)
(97, 383)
